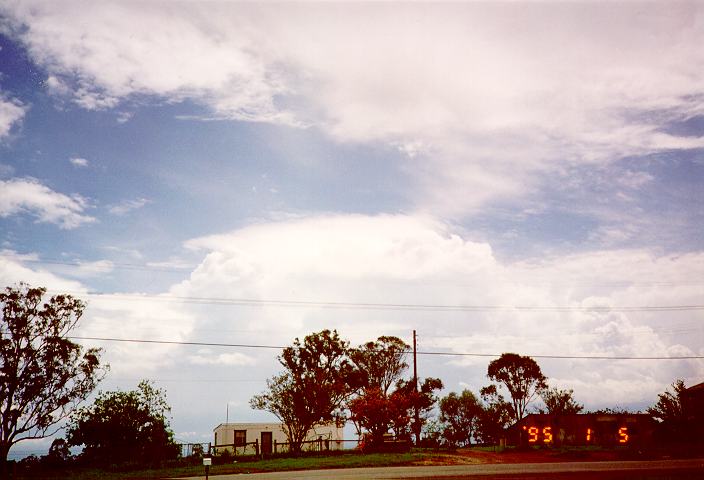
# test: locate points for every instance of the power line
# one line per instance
(278, 347)
(174, 342)
(252, 302)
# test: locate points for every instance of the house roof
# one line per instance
(695, 388)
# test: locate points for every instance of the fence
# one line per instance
(256, 448)
(194, 449)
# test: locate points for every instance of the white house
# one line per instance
(269, 437)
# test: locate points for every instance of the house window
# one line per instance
(240, 438)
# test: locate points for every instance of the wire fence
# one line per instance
(264, 449)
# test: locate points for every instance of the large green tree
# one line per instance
(522, 378)
(44, 375)
(125, 427)
(312, 388)
(560, 402)
(381, 363)
(460, 416)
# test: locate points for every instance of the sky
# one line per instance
(500, 177)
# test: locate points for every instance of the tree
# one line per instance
(423, 399)
(380, 363)
(377, 413)
(377, 366)
(125, 427)
(496, 414)
(460, 417)
(313, 387)
(671, 414)
(44, 375)
(522, 378)
(560, 402)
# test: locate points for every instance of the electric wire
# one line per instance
(252, 302)
(453, 354)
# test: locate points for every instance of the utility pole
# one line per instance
(416, 416)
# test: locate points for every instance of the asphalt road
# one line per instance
(656, 469)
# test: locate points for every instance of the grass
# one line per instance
(350, 460)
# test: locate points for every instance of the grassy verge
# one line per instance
(350, 460)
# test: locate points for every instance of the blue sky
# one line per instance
(547, 155)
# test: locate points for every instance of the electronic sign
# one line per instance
(582, 429)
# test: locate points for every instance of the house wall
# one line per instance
(225, 435)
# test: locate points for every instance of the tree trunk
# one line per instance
(4, 466)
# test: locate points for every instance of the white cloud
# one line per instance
(27, 195)
(11, 113)
(484, 98)
(96, 268)
(78, 162)
(227, 359)
(122, 315)
(403, 260)
(127, 206)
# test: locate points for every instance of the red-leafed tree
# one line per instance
(378, 413)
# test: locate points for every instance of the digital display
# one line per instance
(582, 429)
(537, 435)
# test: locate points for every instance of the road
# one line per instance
(660, 469)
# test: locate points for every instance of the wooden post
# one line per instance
(274, 446)
(256, 447)
(416, 416)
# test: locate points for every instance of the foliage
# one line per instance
(44, 374)
(496, 414)
(381, 363)
(422, 399)
(124, 427)
(522, 378)
(378, 365)
(377, 413)
(313, 387)
(460, 415)
(670, 412)
(560, 402)
(59, 452)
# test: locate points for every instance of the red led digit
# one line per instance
(623, 435)
(532, 434)
(589, 434)
(547, 434)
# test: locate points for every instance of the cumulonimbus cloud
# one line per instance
(565, 304)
